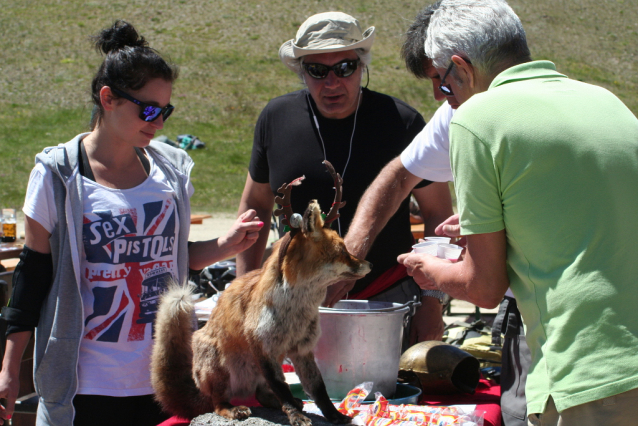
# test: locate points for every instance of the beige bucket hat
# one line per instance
(324, 33)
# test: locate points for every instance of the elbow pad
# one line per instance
(31, 284)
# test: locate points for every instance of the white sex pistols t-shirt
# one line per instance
(130, 255)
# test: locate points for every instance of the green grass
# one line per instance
(229, 69)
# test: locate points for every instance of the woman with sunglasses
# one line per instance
(359, 131)
(107, 219)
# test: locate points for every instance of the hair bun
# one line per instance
(120, 35)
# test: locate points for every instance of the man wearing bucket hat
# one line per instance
(333, 118)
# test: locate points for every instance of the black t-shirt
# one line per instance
(287, 145)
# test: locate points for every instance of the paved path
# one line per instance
(217, 225)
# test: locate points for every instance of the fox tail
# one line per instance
(172, 359)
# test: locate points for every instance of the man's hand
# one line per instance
(416, 264)
(337, 291)
(480, 276)
(427, 323)
(449, 227)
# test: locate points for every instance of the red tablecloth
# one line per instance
(487, 398)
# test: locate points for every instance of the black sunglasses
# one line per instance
(341, 69)
(148, 112)
(443, 87)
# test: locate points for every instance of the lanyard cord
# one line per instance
(354, 126)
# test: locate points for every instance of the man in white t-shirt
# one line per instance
(427, 157)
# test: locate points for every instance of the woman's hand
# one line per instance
(242, 234)
(9, 388)
(10, 374)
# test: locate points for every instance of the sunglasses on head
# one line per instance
(445, 89)
(341, 69)
(148, 112)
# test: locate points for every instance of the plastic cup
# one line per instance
(449, 251)
(440, 240)
(429, 247)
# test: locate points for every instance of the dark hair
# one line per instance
(413, 51)
(129, 63)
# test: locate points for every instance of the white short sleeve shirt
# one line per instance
(428, 156)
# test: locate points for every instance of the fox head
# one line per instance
(317, 254)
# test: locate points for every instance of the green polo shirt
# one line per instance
(554, 162)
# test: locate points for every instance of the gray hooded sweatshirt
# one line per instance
(61, 326)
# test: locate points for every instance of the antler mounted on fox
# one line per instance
(263, 317)
(337, 203)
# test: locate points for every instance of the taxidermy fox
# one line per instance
(263, 317)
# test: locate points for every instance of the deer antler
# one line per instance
(285, 203)
(337, 203)
(286, 210)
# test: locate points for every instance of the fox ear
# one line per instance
(312, 220)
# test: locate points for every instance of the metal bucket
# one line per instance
(361, 342)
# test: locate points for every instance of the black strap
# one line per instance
(497, 325)
(145, 163)
(85, 165)
(508, 321)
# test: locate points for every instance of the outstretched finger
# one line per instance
(401, 258)
(252, 226)
(248, 216)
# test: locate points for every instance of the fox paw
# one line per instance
(240, 412)
(298, 419)
(338, 418)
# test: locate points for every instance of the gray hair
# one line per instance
(364, 57)
(412, 50)
(487, 32)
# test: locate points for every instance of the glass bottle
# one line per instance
(9, 226)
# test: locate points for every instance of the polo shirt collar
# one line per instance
(527, 71)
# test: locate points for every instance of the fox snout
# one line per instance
(359, 269)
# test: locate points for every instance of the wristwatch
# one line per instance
(437, 294)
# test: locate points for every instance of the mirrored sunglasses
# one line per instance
(148, 112)
(341, 69)
(444, 88)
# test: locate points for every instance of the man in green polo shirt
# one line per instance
(546, 175)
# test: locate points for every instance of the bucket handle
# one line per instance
(412, 304)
